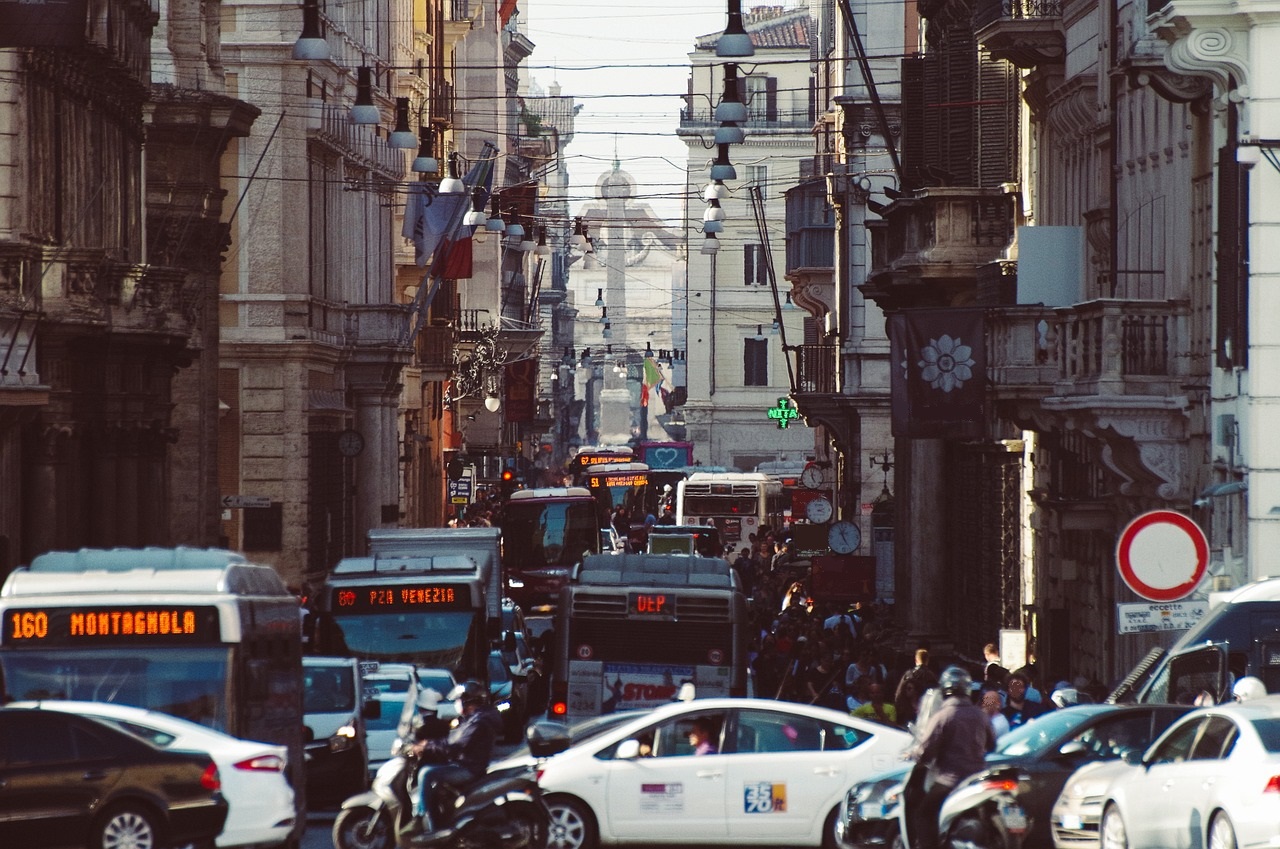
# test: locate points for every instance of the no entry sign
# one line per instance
(1162, 555)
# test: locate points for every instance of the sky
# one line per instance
(598, 51)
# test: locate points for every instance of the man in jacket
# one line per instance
(460, 757)
(954, 745)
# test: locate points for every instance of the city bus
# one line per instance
(426, 596)
(738, 503)
(545, 533)
(201, 634)
(631, 629)
(615, 485)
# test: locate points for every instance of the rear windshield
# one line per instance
(1269, 731)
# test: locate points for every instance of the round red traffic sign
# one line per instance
(1162, 555)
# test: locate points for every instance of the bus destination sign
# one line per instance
(652, 605)
(618, 479)
(601, 458)
(109, 625)
(380, 597)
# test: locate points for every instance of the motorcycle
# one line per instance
(501, 810)
(983, 812)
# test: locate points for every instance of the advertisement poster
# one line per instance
(628, 686)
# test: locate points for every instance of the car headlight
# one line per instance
(515, 583)
(503, 705)
(344, 738)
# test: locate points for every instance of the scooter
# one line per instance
(502, 810)
(983, 812)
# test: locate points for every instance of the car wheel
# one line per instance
(572, 825)
(829, 838)
(1111, 834)
(125, 827)
(1222, 834)
(361, 828)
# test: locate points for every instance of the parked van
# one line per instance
(335, 708)
(1239, 635)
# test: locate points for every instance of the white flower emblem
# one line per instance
(945, 363)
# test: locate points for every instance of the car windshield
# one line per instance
(589, 729)
(390, 707)
(1037, 736)
(328, 689)
(441, 682)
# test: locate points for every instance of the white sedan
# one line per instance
(260, 799)
(1211, 780)
(777, 775)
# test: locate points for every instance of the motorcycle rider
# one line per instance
(957, 736)
(461, 756)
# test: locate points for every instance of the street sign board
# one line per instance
(1162, 555)
(1176, 616)
(462, 489)
(230, 501)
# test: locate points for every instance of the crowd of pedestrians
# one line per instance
(851, 657)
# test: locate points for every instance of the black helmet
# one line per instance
(955, 681)
(469, 692)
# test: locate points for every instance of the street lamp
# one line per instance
(311, 45)
(734, 41)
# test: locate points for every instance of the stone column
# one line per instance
(920, 540)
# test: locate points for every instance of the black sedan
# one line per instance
(68, 780)
(1046, 751)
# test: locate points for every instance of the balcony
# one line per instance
(695, 121)
(1109, 367)
(1025, 33)
(816, 369)
(937, 239)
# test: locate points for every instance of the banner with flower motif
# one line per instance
(938, 373)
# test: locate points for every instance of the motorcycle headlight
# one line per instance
(503, 705)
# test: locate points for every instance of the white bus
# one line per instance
(738, 503)
(202, 634)
(632, 628)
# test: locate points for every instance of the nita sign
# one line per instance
(784, 413)
(1162, 555)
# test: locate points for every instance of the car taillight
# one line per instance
(537, 773)
(559, 708)
(209, 779)
(1273, 785)
(261, 763)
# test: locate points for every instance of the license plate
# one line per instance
(871, 810)
(1071, 821)
(1014, 818)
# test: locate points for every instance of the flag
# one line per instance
(938, 376)
(441, 216)
(652, 377)
(457, 259)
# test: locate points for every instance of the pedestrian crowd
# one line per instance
(849, 657)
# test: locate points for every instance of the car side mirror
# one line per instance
(1133, 757)
(628, 750)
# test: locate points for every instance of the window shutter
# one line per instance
(748, 263)
(1233, 226)
(771, 98)
(912, 142)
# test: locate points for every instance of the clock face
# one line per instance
(350, 443)
(844, 537)
(818, 511)
(811, 477)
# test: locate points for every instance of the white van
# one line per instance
(335, 708)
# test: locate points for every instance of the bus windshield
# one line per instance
(540, 534)
(426, 638)
(190, 683)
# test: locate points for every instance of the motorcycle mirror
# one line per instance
(548, 738)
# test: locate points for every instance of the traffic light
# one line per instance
(508, 482)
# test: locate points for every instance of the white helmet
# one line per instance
(1248, 688)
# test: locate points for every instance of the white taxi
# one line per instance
(776, 776)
